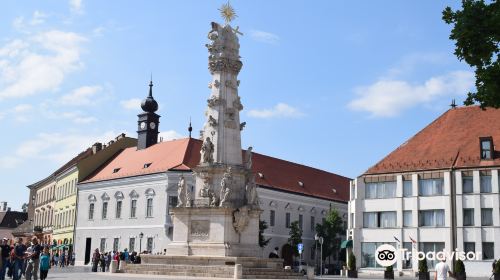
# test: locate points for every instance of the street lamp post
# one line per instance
(321, 256)
(316, 238)
(141, 235)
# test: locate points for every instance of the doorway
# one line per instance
(88, 247)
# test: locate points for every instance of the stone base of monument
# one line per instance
(210, 231)
(210, 266)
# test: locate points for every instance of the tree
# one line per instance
(331, 230)
(476, 30)
(295, 237)
(262, 241)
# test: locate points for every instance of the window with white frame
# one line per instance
(430, 187)
(486, 216)
(119, 209)
(488, 250)
(149, 207)
(313, 224)
(116, 244)
(149, 244)
(133, 208)
(91, 211)
(131, 244)
(431, 218)
(105, 210)
(380, 190)
(407, 218)
(272, 217)
(379, 219)
(485, 183)
(468, 217)
(407, 188)
(103, 244)
(301, 221)
(469, 247)
(287, 220)
(467, 184)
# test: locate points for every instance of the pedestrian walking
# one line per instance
(102, 263)
(33, 260)
(18, 259)
(95, 260)
(107, 256)
(4, 257)
(44, 263)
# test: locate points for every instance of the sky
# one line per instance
(336, 85)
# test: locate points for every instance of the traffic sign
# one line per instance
(300, 247)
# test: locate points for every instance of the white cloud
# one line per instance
(86, 95)
(55, 147)
(76, 6)
(265, 37)
(281, 110)
(21, 108)
(38, 18)
(388, 98)
(131, 104)
(39, 63)
(170, 135)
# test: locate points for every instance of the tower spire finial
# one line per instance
(151, 86)
(453, 105)
(190, 128)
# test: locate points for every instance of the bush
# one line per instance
(389, 268)
(352, 262)
(422, 266)
(459, 267)
(496, 270)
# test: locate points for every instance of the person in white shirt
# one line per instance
(442, 270)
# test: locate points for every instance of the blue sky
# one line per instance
(331, 84)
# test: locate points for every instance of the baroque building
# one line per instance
(438, 190)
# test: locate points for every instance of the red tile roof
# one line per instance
(183, 154)
(452, 140)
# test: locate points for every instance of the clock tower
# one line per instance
(147, 125)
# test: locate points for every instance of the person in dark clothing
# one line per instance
(95, 260)
(33, 260)
(18, 259)
(102, 263)
(5, 256)
(274, 254)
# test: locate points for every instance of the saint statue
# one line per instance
(181, 192)
(251, 192)
(207, 151)
(225, 190)
(248, 158)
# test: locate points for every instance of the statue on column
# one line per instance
(248, 158)
(251, 192)
(207, 151)
(189, 197)
(205, 190)
(181, 192)
(225, 190)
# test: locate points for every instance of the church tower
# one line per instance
(148, 122)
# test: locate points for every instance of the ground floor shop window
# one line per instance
(368, 253)
(431, 247)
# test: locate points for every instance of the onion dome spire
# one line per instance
(149, 104)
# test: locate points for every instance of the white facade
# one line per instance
(400, 214)
(158, 227)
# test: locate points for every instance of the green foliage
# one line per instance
(295, 237)
(389, 268)
(330, 230)
(262, 227)
(422, 266)
(459, 267)
(352, 262)
(496, 270)
(476, 32)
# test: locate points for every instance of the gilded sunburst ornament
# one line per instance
(227, 12)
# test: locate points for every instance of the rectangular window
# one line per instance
(118, 209)
(407, 219)
(380, 190)
(149, 244)
(431, 247)
(486, 216)
(431, 218)
(368, 253)
(104, 210)
(379, 219)
(272, 216)
(301, 220)
(485, 183)
(116, 243)
(468, 217)
(287, 220)
(313, 224)
(133, 208)
(486, 147)
(407, 262)
(469, 247)
(149, 208)
(467, 184)
(103, 244)
(172, 201)
(430, 187)
(488, 250)
(91, 211)
(407, 188)
(131, 245)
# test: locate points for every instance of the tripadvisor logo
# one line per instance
(387, 255)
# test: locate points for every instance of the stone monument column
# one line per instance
(224, 218)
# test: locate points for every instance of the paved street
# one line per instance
(83, 273)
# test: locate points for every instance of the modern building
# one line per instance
(438, 190)
(10, 220)
(126, 203)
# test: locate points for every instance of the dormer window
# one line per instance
(146, 165)
(486, 145)
(116, 170)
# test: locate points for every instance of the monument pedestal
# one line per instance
(210, 231)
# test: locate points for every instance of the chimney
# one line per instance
(111, 143)
(3, 206)
(120, 136)
(96, 147)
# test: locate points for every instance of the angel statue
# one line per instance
(248, 158)
(181, 192)
(251, 192)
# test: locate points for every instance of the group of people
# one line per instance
(101, 261)
(28, 258)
